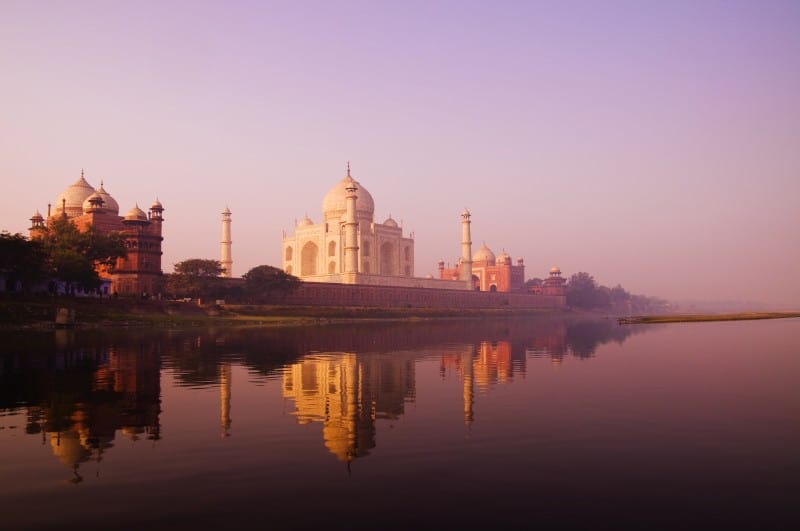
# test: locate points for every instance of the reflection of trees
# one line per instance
(583, 337)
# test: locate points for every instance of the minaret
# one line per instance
(226, 261)
(350, 227)
(466, 248)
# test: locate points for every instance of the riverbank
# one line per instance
(652, 319)
(93, 313)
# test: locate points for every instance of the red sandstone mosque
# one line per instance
(87, 206)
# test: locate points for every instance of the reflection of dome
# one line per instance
(73, 197)
(484, 254)
(335, 203)
(390, 222)
(108, 202)
(305, 222)
(136, 214)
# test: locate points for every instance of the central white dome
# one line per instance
(334, 205)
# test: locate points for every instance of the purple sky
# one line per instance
(652, 144)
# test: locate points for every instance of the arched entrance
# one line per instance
(388, 260)
(308, 259)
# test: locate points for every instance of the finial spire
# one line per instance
(348, 168)
(81, 173)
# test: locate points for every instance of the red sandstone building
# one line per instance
(490, 273)
(138, 272)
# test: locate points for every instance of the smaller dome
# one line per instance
(136, 214)
(109, 203)
(37, 216)
(93, 202)
(305, 222)
(555, 270)
(484, 254)
(504, 258)
(390, 222)
(158, 206)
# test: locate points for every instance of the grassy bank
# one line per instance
(41, 312)
(650, 319)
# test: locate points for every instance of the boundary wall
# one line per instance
(328, 294)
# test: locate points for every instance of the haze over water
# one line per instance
(450, 425)
(651, 144)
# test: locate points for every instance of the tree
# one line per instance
(196, 278)
(76, 258)
(581, 290)
(199, 267)
(264, 281)
(22, 260)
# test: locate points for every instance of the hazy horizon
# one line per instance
(652, 145)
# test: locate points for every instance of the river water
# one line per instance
(475, 424)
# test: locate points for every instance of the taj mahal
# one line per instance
(349, 247)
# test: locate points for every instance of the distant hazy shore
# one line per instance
(697, 318)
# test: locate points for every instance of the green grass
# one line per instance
(745, 316)
(16, 312)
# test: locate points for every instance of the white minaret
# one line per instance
(350, 227)
(466, 248)
(225, 253)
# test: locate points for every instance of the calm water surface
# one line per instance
(446, 425)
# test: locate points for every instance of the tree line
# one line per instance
(584, 292)
(199, 278)
(61, 253)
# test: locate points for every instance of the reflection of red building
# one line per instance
(490, 273)
(120, 396)
(87, 207)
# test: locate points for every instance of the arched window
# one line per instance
(332, 267)
(288, 255)
(365, 248)
(308, 259)
(332, 249)
(388, 261)
(407, 253)
(365, 267)
(289, 269)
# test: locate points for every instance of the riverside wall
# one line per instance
(328, 294)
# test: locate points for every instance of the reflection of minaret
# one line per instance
(466, 248)
(225, 399)
(225, 256)
(469, 389)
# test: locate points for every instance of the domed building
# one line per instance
(86, 206)
(489, 272)
(378, 252)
